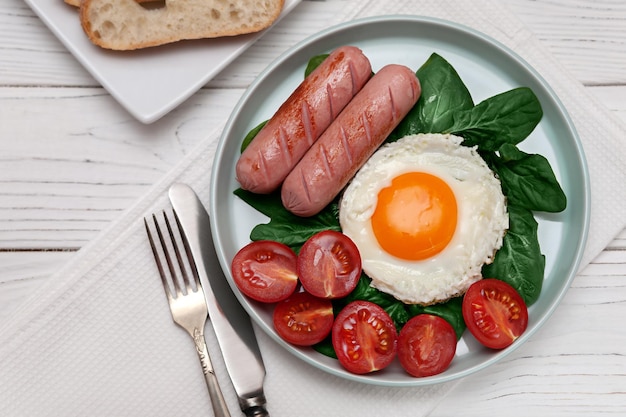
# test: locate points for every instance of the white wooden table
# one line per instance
(71, 160)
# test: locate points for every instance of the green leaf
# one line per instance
(314, 63)
(325, 347)
(284, 226)
(443, 95)
(528, 180)
(519, 262)
(252, 134)
(508, 117)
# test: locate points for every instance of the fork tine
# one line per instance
(179, 258)
(168, 258)
(155, 252)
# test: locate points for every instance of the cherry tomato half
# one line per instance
(426, 345)
(265, 271)
(364, 337)
(303, 319)
(494, 312)
(329, 265)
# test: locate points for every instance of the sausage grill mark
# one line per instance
(307, 123)
(262, 166)
(392, 104)
(366, 127)
(329, 95)
(326, 161)
(346, 145)
(355, 84)
(305, 186)
(284, 145)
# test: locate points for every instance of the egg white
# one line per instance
(481, 223)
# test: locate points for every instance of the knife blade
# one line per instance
(230, 321)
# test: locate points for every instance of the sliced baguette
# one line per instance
(126, 25)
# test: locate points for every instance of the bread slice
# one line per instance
(127, 25)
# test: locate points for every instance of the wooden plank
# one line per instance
(588, 37)
(86, 160)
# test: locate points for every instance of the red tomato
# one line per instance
(364, 337)
(494, 312)
(426, 345)
(303, 319)
(265, 271)
(329, 265)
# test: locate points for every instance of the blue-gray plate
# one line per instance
(487, 67)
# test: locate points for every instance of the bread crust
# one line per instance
(127, 25)
(76, 3)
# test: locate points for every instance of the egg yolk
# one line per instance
(415, 217)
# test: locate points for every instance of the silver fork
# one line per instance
(186, 301)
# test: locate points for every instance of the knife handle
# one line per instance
(256, 412)
(254, 406)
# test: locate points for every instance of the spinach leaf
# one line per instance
(508, 117)
(314, 63)
(528, 180)
(443, 95)
(325, 347)
(450, 311)
(252, 134)
(284, 226)
(519, 262)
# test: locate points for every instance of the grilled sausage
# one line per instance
(350, 140)
(301, 119)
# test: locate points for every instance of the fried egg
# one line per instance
(426, 214)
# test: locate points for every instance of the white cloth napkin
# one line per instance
(99, 340)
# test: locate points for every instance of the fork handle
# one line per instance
(220, 409)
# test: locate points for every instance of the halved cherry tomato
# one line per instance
(329, 265)
(426, 345)
(303, 319)
(364, 337)
(494, 312)
(265, 271)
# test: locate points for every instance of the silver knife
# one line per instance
(231, 323)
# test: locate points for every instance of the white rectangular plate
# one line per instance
(148, 83)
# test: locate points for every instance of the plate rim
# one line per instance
(449, 25)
